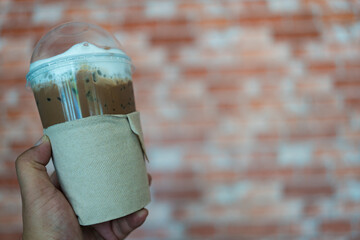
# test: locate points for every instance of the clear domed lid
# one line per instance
(63, 37)
(71, 46)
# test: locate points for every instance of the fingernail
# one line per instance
(141, 214)
(41, 140)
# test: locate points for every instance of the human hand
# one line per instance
(46, 212)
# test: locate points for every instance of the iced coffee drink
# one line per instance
(82, 84)
(89, 91)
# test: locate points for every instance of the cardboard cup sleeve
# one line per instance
(100, 163)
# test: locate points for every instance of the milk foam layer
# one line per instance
(76, 50)
(79, 56)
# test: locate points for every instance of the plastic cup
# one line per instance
(79, 70)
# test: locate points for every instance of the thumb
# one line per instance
(31, 171)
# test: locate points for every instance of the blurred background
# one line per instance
(250, 110)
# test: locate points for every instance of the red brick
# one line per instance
(270, 89)
(178, 22)
(186, 131)
(10, 236)
(341, 17)
(179, 195)
(323, 4)
(255, 5)
(180, 213)
(14, 73)
(229, 141)
(263, 154)
(190, 8)
(222, 176)
(178, 176)
(223, 88)
(186, 93)
(195, 72)
(179, 137)
(276, 20)
(312, 210)
(306, 190)
(350, 208)
(147, 75)
(77, 10)
(259, 19)
(10, 219)
(196, 124)
(197, 108)
(352, 64)
(331, 119)
(312, 134)
(268, 137)
(9, 181)
(215, 23)
(355, 236)
(202, 230)
(347, 172)
(228, 108)
(300, 51)
(24, 30)
(312, 172)
(18, 6)
(238, 70)
(356, 227)
(172, 39)
(258, 230)
(353, 102)
(14, 114)
(335, 226)
(307, 87)
(196, 156)
(347, 84)
(266, 103)
(217, 210)
(153, 233)
(323, 103)
(20, 146)
(18, 15)
(351, 74)
(322, 66)
(352, 136)
(253, 70)
(301, 17)
(268, 173)
(305, 33)
(131, 24)
(48, 1)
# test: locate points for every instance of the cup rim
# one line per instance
(70, 61)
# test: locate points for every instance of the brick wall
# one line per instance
(251, 111)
